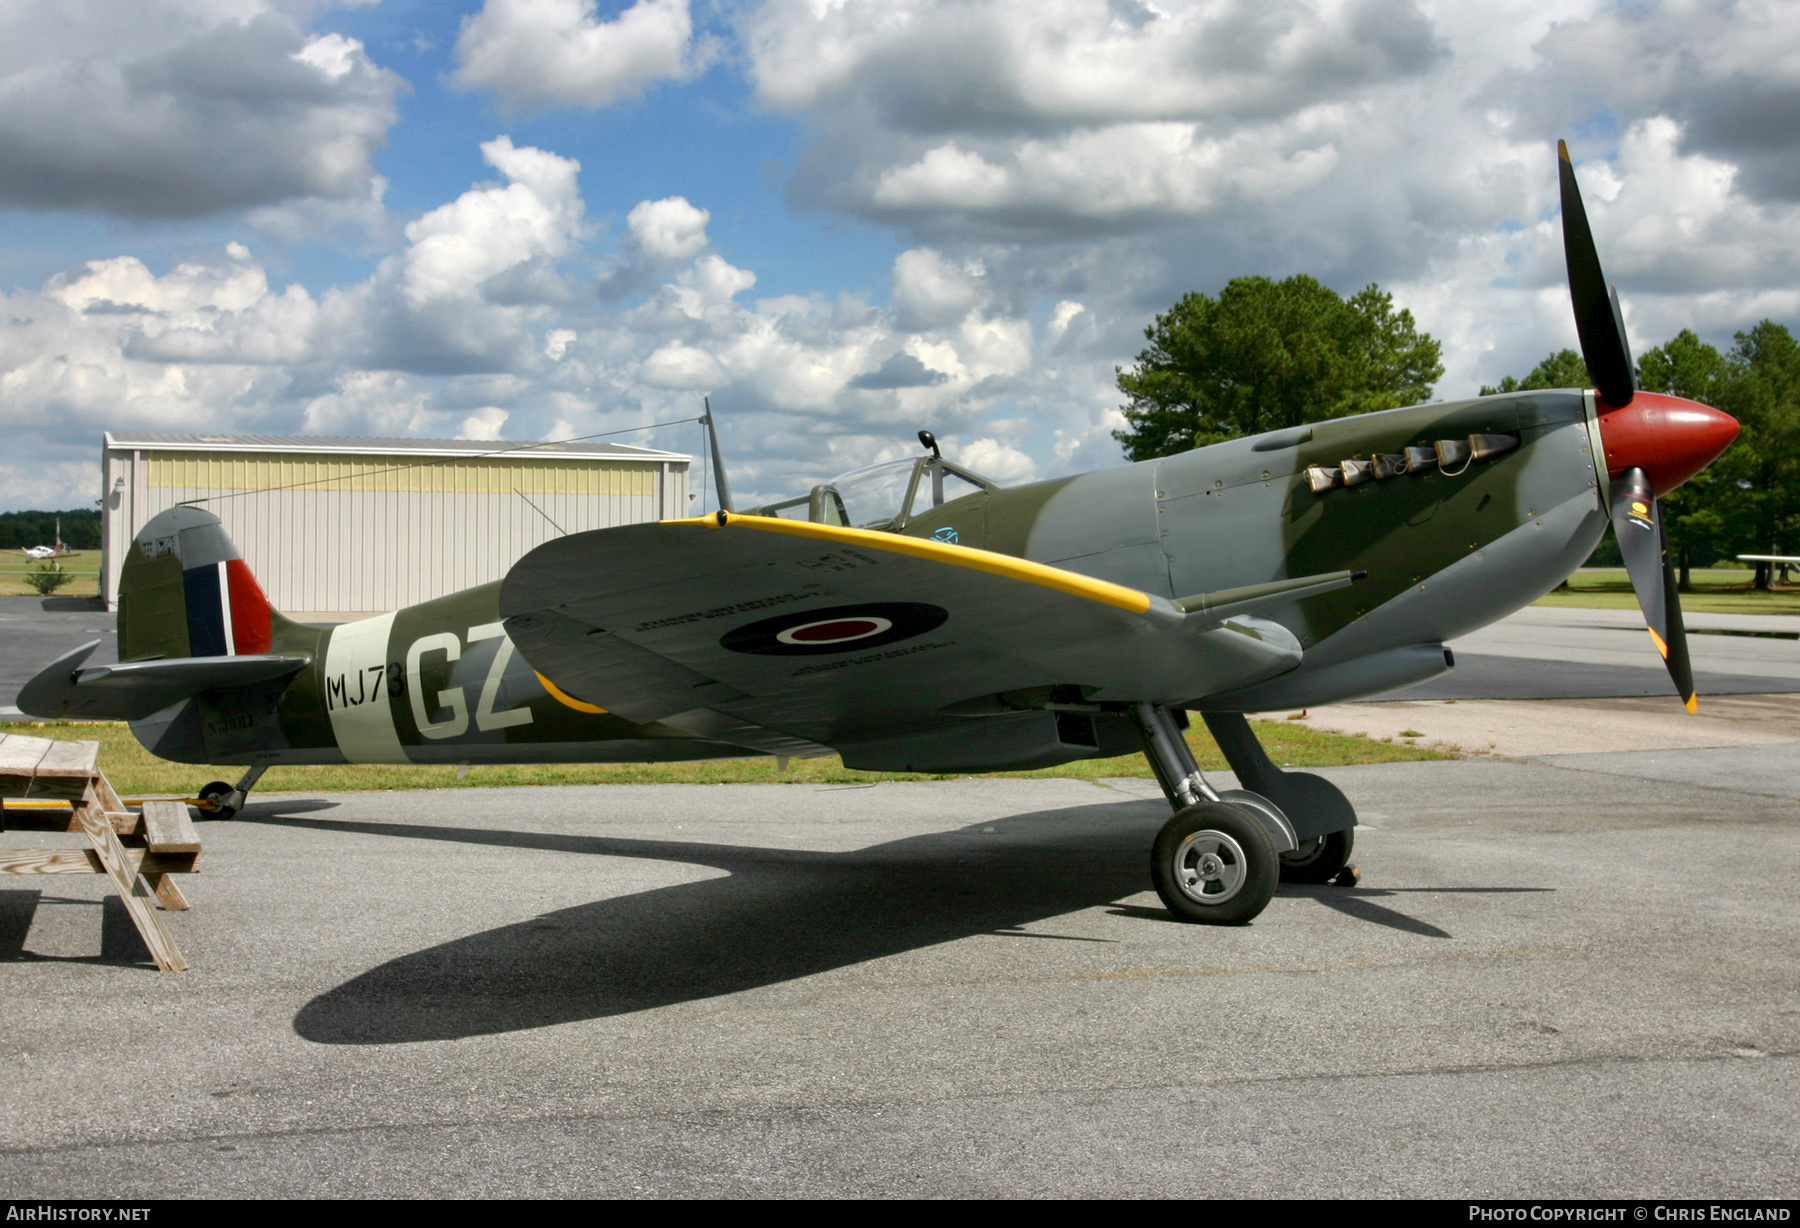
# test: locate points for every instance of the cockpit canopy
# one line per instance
(883, 496)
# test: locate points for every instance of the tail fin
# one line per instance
(185, 592)
(193, 622)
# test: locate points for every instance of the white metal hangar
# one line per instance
(342, 527)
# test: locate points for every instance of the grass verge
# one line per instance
(83, 569)
(134, 771)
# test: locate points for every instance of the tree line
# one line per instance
(1269, 354)
(21, 530)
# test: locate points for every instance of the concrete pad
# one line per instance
(1520, 729)
(952, 988)
(1771, 770)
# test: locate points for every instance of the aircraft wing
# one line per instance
(823, 635)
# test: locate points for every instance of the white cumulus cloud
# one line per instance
(550, 53)
(178, 108)
(669, 229)
(442, 339)
(484, 423)
(485, 232)
(1055, 172)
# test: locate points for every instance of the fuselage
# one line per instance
(1445, 551)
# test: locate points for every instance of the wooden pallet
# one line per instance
(139, 851)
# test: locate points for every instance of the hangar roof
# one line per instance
(363, 445)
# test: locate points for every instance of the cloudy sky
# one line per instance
(841, 219)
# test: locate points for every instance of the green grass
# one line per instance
(83, 569)
(1716, 590)
(134, 771)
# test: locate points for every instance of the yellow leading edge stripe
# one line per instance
(567, 700)
(1072, 583)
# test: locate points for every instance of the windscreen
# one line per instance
(946, 486)
(872, 497)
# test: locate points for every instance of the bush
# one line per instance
(47, 578)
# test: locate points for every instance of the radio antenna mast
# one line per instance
(712, 435)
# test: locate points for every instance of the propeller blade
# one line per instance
(1597, 319)
(1680, 668)
(1644, 543)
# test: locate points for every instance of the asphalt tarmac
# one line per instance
(34, 631)
(1568, 977)
(1554, 981)
(1545, 652)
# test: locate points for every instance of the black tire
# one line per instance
(215, 793)
(1217, 850)
(1318, 860)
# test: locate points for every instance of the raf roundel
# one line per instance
(835, 631)
(847, 628)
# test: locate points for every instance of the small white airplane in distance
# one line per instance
(38, 554)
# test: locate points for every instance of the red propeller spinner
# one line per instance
(1669, 438)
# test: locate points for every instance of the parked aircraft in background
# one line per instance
(57, 551)
(916, 616)
(1782, 562)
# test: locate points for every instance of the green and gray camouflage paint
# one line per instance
(442, 682)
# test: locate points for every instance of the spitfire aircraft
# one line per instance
(916, 616)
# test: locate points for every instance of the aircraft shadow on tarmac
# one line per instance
(776, 915)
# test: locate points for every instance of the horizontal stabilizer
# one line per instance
(133, 690)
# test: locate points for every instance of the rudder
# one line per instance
(184, 591)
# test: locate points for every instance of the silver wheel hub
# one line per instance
(1209, 867)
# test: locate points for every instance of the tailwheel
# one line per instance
(1214, 863)
(213, 800)
(1319, 859)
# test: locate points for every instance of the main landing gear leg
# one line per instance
(1215, 861)
(1182, 781)
(226, 799)
(1323, 819)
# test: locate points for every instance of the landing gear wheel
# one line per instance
(1214, 863)
(216, 793)
(1318, 860)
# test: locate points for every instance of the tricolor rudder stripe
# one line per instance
(250, 613)
(227, 613)
(184, 592)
